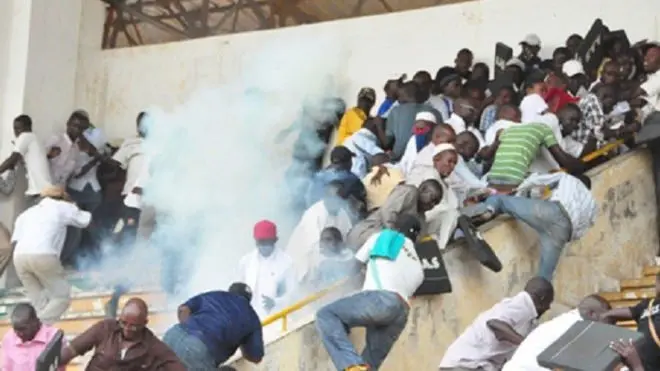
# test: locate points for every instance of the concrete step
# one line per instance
(631, 325)
(651, 270)
(637, 294)
(623, 303)
(645, 282)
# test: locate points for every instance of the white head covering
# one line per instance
(572, 68)
(426, 116)
(442, 147)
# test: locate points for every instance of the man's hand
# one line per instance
(267, 302)
(183, 313)
(628, 353)
(382, 170)
(54, 152)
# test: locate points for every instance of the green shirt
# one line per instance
(518, 147)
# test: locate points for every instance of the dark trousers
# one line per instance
(124, 236)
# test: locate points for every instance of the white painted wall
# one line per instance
(116, 84)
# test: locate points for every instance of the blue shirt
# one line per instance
(224, 322)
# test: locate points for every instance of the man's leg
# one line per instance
(49, 271)
(381, 338)
(125, 239)
(364, 309)
(33, 288)
(546, 218)
(190, 350)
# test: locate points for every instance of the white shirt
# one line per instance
(131, 158)
(409, 155)
(477, 346)
(49, 218)
(524, 359)
(498, 125)
(531, 107)
(134, 200)
(36, 163)
(402, 275)
(572, 194)
(457, 123)
(89, 177)
(477, 133)
(462, 180)
(63, 165)
(652, 89)
(443, 104)
(364, 144)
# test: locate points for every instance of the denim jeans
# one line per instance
(547, 218)
(384, 315)
(192, 352)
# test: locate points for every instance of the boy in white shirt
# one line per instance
(393, 274)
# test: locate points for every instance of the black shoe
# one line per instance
(478, 246)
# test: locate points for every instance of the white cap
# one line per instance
(95, 137)
(426, 116)
(532, 40)
(442, 147)
(516, 62)
(572, 68)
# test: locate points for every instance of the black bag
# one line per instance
(502, 55)
(585, 347)
(592, 49)
(436, 279)
(49, 359)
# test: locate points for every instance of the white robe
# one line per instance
(264, 275)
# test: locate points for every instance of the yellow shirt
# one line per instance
(378, 194)
(350, 123)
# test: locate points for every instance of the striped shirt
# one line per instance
(518, 147)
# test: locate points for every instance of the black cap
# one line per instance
(241, 289)
(340, 155)
(536, 76)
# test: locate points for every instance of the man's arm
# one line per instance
(75, 217)
(566, 161)
(619, 314)
(504, 332)
(10, 162)
(252, 346)
(398, 200)
(84, 342)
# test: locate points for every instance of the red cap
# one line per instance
(265, 230)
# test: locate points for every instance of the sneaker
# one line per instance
(357, 368)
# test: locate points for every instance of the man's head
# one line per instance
(573, 43)
(627, 65)
(133, 319)
(476, 92)
(577, 78)
(463, 61)
(366, 99)
(652, 59)
(55, 192)
(77, 124)
(341, 158)
(607, 96)
(480, 72)
(408, 225)
(25, 322)
(330, 241)
(430, 194)
(505, 95)
(542, 294)
(425, 120)
(611, 73)
(509, 112)
(265, 237)
(531, 45)
(334, 198)
(445, 158)
(451, 86)
(559, 57)
(466, 108)
(22, 124)
(516, 68)
(409, 92)
(569, 117)
(467, 145)
(443, 133)
(425, 82)
(392, 88)
(241, 289)
(592, 307)
(535, 83)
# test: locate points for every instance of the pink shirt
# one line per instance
(19, 356)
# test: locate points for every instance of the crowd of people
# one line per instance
(463, 145)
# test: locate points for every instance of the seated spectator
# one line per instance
(529, 51)
(424, 81)
(401, 119)
(341, 162)
(504, 96)
(570, 117)
(464, 115)
(422, 135)
(331, 211)
(508, 115)
(560, 56)
(28, 150)
(577, 78)
(517, 147)
(213, 325)
(480, 74)
(447, 88)
(37, 255)
(647, 315)
(590, 308)
(404, 199)
(533, 104)
(557, 95)
(573, 43)
(352, 120)
(495, 334)
(463, 179)
(23, 343)
(595, 106)
(516, 69)
(651, 87)
(566, 216)
(268, 269)
(365, 145)
(394, 272)
(330, 262)
(124, 344)
(391, 90)
(379, 188)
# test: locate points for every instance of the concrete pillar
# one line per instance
(38, 58)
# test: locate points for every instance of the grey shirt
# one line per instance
(400, 123)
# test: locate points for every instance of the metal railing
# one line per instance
(284, 313)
